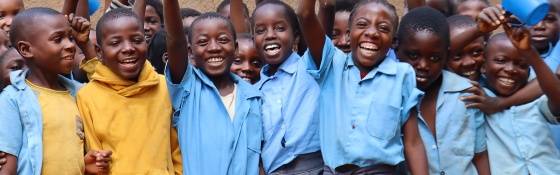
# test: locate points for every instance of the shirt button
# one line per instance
(353, 126)
(282, 126)
(442, 173)
(279, 101)
(434, 147)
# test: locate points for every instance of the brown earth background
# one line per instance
(200, 5)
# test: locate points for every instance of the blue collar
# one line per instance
(244, 87)
(388, 66)
(289, 65)
(453, 83)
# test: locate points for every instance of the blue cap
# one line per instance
(530, 12)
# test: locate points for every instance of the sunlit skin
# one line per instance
(340, 37)
(471, 8)
(467, 61)
(247, 63)
(426, 53)
(8, 10)
(545, 32)
(371, 35)
(152, 23)
(505, 69)
(274, 36)
(123, 48)
(213, 46)
(226, 12)
(12, 62)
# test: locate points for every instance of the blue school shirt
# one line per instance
(290, 113)
(21, 126)
(552, 60)
(210, 142)
(520, 141)
(459, 131)
(361, 119)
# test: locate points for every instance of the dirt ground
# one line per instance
(201, 5)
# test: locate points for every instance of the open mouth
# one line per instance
(369, 48)
(68, 58)
(272, 49)
(215, 60)
(147, 37)
(506, 81)
(129, 62)
(246, 79)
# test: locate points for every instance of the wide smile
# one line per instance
(272, 49)
(128, 62)
(368, 48)
(215, 61)
(147, 37)
(506, 82)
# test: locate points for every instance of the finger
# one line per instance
(80, 23)
(484, 17)
(497, 15)
(106, 153)
(2, 154)
(474, 105)
(83, 22)
(71, 17)
(103, 159)
(471, 98)
(3, 161)
(102, 165)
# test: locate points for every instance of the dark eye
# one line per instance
(223, 40)
(499, 60)
(138, 40)
(1, 16)
(14, 68)
(280, 29)
(550, 19)
(57, 39)
(456, 57)
(434, 58)
(114, 44)
(259, 31)
(237, 61)
(256, 64)
(384, 29)
(335, 35)
(413, 56)
(202, 42)
(476, 53)
(361, 24)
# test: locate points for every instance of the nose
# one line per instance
(146, 28)
(127, 48)
(8, 23)
(467, 61)
(372, 32)
(422, 64)
(70, 46)
(344, 41)
(213, 46)
(540, 26)
(510, 68)
(270, 34)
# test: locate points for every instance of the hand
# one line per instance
(519, 37)
(80, 28)
(490, 18)
(97, 161)
(2, 159)
(481, 100)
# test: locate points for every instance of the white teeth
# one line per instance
(128, 60)
(369, 46)
(506, 80)
(469, 73)
(67, 58)
(247, 79)
(214, 60)
(272, 46)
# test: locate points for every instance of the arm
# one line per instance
(10, 168)
(411, 4)
(80, 31)
(178, 61)
(83, 9)
(70, 6)
(311, 29)
(481, 163)
(326, 15)
(236, 15)
(139, 7)
(97, 161)
(414, 150)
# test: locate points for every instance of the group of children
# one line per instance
(350, 90)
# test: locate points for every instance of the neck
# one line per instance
(434, 87)
(224, 84)
(272, 69)
(44, 79)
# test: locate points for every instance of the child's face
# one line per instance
(213, 47)
(439, 5)
(51, 49)
(471, 8)
(546, 31)
(274, 35)
(371, 34)
(152, 23)
(226, 12)
(123, 48)
(188, 21)
(468, 61)
(340, 31)
(505, 69)
(9, 9)
(12, 62)
(247, 63)
(4, 42)
(426, 52)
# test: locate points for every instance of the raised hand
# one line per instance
(481, 100)
(490, 18)
(519, 37)
(80, 29)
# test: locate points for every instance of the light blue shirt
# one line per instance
(459, 131)
(552, 60)
(361, 119)
(290, 113)
(21, 126)
(520, 141)
(210, 142)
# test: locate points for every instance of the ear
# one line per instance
(236, 48)
(99, 53)
(394, 43)
(483, 68)
(296, 38)
(24, 48)
(190, 51)
(164, 57)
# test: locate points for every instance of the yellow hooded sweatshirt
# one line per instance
(132, 119)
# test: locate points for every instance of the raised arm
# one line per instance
(176, 42)
(411, 4)
(69, 6)
(311, 29)
(257, 2)
(237, 16)
(83, 9)
(326, 14)
(139, 7)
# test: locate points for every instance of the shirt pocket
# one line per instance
(253, 125)
(383, 121)
(464, 133)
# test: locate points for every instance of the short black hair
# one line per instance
(188, 12)
(112, 15)
(186, 30)
(460, 22)
(495, 38)
(156, 49)
(156, 4)
(424, 19)
(26, 21)
(211, 15)
(345, 5)
(3, 55)
(227, 2)
(287, 8)
(382, 2)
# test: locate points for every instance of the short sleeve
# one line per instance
(178, 92)
(545, 110)
(329, 52)
(480, 138)
(88, 66)
(11, 128)
(410, 94)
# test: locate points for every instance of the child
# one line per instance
(469, 59)
(247, 63)
(188, 15)
(545, 34)
(9, 9)
(10, 61)
(290, 110)
(152, 13)
(4, 42)
(217, 114)
(137, 124)
(364, 128)
(521, 132)
(470, 8)
(340, 28)
(157, 51)
(453, 135)
(39, 113)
